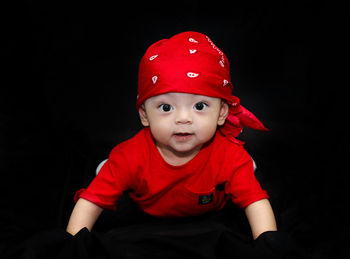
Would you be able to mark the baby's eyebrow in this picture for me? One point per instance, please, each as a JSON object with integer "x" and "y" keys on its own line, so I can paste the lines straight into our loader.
{"x": 163, "y": 100}
{"x": 203, "y": 98}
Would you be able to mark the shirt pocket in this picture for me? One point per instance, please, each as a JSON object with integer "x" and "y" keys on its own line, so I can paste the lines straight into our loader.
{"x": 199, "y": 202}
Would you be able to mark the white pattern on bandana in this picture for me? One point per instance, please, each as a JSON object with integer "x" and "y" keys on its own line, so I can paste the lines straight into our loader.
{"x": 154, "y": 79}
{"x": 153, "y": 57}
{"x": 192, "y": 40}
{"x": 192, "y": 75}
{"x": 222, "y": 60}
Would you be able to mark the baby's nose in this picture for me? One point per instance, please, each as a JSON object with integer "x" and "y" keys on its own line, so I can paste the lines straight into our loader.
{"x": 183, "y": 116}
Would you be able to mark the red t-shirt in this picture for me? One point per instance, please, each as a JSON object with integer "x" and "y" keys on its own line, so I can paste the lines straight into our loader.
{"x": 221, "y": 171}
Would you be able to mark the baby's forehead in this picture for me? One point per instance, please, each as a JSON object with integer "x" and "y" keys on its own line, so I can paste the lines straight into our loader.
{"x": 180, "y": 97}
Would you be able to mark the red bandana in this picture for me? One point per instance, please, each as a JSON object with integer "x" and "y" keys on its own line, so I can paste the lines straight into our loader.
{"x": 190, "y": 62}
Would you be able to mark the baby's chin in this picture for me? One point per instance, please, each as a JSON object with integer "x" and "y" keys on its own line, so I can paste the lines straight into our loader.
{"x": 179, "y": 151}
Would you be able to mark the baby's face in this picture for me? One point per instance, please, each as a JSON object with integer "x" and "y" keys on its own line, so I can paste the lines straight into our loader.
{"x": 182, "y": 123}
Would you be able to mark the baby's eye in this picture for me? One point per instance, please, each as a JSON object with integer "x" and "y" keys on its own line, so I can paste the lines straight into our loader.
{"x": 165, "y": 107}
{"x": 200, "y": 106}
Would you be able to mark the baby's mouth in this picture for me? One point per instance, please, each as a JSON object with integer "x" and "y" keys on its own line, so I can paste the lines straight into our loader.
{"x": 183, "y": 134}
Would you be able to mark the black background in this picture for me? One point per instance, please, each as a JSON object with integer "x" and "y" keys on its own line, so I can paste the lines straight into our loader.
{"x": 68, "y": 91}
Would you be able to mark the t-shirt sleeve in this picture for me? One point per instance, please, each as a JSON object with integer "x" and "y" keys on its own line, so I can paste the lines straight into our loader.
{"x": 244, "y": 187}
{"x": 108, "y": 186}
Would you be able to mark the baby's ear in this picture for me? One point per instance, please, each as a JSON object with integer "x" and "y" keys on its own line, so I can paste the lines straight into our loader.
{"x": 143, "y": 116}
{"x": 223, "y": 113}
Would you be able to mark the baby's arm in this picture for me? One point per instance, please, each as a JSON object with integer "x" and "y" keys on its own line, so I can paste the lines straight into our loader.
{"x": 85, "y": 214}
{"x": 260, "y": 217}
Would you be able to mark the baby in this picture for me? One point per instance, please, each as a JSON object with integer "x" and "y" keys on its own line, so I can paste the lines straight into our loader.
{"x": 186, "y": 161}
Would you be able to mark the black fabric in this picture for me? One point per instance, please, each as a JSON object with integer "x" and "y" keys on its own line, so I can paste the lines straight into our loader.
{"x": 210, "y": 236}
{"x": 278, "y": 244}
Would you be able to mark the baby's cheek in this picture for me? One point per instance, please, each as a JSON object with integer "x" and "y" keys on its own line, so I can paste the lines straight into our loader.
{"x": 160, "y": 132}
{"x": 207, "y": 130}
